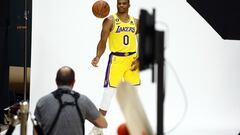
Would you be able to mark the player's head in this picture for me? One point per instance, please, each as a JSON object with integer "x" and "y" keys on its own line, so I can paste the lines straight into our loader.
{"x": 123, "y": 5}
{"x": 65, "y": 76}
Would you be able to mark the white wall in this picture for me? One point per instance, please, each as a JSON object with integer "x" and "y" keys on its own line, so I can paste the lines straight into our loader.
{"x": 66, "y": 33}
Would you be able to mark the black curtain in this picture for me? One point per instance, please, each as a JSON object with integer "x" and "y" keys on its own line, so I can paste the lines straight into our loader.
{"x": 4, "y": 91}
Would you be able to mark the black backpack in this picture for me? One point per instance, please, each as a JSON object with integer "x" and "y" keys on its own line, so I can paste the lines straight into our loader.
{"x": 58, "y": 94}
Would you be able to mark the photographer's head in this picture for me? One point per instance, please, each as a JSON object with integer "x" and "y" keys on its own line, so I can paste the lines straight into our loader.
{"x": 65, "y": 76}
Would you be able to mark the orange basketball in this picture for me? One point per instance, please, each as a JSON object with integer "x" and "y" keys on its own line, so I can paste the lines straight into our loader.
{"x": 122, "y": 129}
{"x": 100, "y": 9}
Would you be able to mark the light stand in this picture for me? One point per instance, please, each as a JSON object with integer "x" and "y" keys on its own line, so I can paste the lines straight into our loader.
{"x": 24, "y": 108}
{"x": 151, "y": 51}
{"x": 18, "y": 114}
{"x": 24, "y": 116}
{"x": 25, "y": 48}
{"x": 160, "y": 81}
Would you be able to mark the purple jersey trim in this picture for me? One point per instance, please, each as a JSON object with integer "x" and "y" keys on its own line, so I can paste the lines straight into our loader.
{"x": 106, "y": 80}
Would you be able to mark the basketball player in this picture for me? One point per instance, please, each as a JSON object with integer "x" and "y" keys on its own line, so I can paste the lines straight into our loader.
{"x": 120, "y": 29}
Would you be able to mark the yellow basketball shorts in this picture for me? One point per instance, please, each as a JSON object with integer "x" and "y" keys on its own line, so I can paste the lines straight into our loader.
{"x": 119, "y": 69}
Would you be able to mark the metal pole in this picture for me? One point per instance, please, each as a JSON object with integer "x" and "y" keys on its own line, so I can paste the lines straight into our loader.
{"x": 23, "y": 116}
{"x": 160, "y": 83}
{"x": 24, "y": 105}
{"x": 25, "y": 48}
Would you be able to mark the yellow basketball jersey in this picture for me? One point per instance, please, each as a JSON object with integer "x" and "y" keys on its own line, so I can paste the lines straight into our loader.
{"x": 122, "y": 38}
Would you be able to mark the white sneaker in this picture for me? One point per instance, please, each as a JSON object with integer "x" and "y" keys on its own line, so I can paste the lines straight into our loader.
{"x": 96, "y": 131}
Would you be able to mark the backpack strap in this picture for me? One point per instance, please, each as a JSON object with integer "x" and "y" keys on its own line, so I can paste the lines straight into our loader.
{"x": 58, "y": 95}
{"x": 76, "y": 96}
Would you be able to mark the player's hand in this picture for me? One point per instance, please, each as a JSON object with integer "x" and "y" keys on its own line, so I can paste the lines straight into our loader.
{"x": 95, "y": 61}
{"x": 135, "y": 64}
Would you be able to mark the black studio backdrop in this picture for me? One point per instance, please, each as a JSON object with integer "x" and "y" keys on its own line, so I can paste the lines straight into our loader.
{"x": 222, "y": 15}
{"x": 12, "y": 41}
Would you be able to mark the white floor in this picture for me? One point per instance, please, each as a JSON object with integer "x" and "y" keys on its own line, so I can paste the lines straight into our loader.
{"x": 202, "y": 126}
{"x": 202, "y": 117}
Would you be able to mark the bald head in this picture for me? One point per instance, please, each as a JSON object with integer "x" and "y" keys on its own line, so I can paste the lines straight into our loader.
{"x": 65, "y": 76}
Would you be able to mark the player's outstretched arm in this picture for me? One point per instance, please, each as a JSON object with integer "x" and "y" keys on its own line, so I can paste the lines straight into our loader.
{"x": 101, "y": 47}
